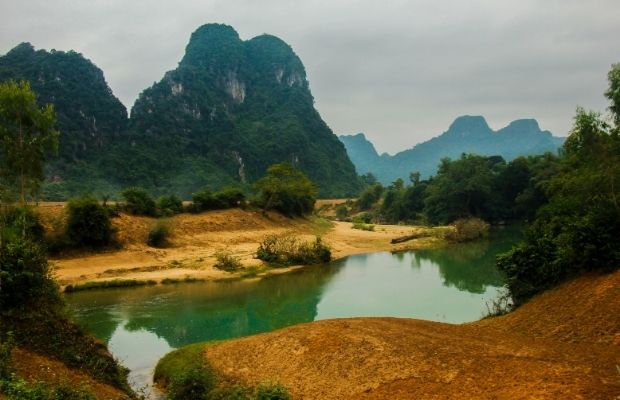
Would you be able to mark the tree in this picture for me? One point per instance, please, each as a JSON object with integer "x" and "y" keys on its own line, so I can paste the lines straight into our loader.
{"x": 26, "y": 133}
{"x": 578, "y": 229}
{"x": 285, "y": 189}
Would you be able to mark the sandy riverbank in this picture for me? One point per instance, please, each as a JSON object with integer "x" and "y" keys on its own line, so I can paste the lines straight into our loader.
{"x": 197, "y": 237}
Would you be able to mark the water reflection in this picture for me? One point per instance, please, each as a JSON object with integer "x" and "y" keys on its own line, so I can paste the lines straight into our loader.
{"x": 141, "y": 324}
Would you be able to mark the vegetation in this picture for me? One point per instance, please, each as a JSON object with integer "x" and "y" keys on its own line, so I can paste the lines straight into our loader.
{"x": 226, "y": 261}
{"x": 159, "y": 234}
{"x": 26, "y": 133}
{"x": 115, "y": 283}
{"x": 89, "y": 224}
{"x": 286, "y": 249}
{"x": 205, "y": 200}
{"x": 169, "y": 205}
{"x": 578, "y": 229}
{"x": 363, "y": 227}
{"x": 285, "y": 189}
{"x": 187, "y": 375}
{"x": 139, "y": 202}
{"x": 19, "y": 389}
{"x": 468, "y": 229}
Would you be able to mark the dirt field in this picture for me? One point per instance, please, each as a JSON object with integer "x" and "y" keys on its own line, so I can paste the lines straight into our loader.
{"x": 197, "y": 237}
{"x": 565, "y": 344}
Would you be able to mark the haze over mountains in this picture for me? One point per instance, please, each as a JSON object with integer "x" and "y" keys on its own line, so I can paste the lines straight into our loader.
{"x": 467, "y": 134}
{"x": 229, "y": 110}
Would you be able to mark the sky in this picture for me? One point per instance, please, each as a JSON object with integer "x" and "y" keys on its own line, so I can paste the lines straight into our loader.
{"x": 398, "y": 71}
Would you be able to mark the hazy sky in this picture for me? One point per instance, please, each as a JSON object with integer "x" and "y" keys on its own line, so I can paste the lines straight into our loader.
{"x": 399, "y": 71}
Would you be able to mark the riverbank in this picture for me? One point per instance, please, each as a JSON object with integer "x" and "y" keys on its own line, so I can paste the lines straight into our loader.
{"x": 196, "y": 238}
{"x": 564, "y": 343}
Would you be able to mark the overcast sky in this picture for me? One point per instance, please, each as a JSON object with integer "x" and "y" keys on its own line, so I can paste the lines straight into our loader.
{"x": 399, "y": 71}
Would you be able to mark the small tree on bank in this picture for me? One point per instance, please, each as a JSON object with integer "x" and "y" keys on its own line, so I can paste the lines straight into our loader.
{"x": 26, "y": 133}
{"x": 285, "y": 189}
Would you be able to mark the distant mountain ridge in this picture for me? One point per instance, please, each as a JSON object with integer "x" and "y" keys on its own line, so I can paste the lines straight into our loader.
{"x": 229, "y": 110}
{"x": 467, "y": 134}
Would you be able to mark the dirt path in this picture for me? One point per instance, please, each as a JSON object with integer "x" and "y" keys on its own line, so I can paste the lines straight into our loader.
{"x": 197, "y": 237}
{"x": 571, "y": 352}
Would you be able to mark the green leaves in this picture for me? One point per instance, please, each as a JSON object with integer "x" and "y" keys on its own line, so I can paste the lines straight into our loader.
{"x": 286, "y": 189}
{"x": 26, "y": 134}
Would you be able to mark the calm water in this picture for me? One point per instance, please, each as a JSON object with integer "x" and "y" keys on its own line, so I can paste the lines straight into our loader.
{"x": 140, "y": 325}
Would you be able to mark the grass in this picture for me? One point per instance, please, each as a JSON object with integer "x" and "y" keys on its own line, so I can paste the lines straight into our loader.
{"x": 187, "y": 279}
{"x": 226, "y": 261}
{"x": 362, "y": 226}
{"x": 185, "y": 374}
{"x": 115, "y": 283}
{"x": 287, "y": 249}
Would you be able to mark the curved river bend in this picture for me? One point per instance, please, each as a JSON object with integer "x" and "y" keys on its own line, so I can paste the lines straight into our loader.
{"x": 140, "y": 325}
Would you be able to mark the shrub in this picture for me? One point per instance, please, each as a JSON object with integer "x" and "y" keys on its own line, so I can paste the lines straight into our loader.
{"x": 271, "y": 391}
{"x": 363, "y": 227}
{"x": 25, "y": 275}
{"x": 226, "y": 261}
{"x": 231, "y": 197}
{"x": 286, "y": 249}
{"x": 139, "y": 202}
{"x": 205, "y": 200}
{"x": 169, "y": 205}
{"x": 193, "y": 383}
{"x": 159, "y": 234}
{"x": 21, "y": 222}
{"x": 6, "y": 348}
{"x": 364, "y": 218}
{"x": 342, "y": 212}
{"x": 89, "y": 224}
{"x": 285, "y": 189}
{"x": 468, "y": 229}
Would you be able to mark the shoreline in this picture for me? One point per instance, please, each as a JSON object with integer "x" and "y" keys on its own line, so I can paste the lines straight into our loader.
{"x": 197, "y": 237}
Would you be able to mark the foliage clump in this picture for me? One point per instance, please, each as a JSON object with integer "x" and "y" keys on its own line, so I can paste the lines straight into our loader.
{"x": 139, "y": 202}
{"x": 159, "y": 235}
{"x": 285, "y": 189}
{"x": 226, "y": 261}
{"x": 89, "y": 224}
{"x": 287, "y": 249}
{"x": 578, "y": 229}
{"x": 169, "y": 205}
{"x": 363, "y": 227}
{"x": 205, "y": 199}
{"x": 466, "y": 229}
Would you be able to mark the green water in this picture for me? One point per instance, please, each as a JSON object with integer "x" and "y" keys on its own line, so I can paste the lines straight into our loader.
{"x": 140, "y": 325}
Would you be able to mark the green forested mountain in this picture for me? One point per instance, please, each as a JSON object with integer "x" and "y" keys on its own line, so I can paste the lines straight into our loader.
{"x": 229, "y": 110}
{"x": 467, "y": 134}
{"x": 89, "y": 116}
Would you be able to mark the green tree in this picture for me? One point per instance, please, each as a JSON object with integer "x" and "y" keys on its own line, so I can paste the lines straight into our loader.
{"x": 26, "y": 133}
{"x": 286, "y": 189}
{"x": 578, "y": 229}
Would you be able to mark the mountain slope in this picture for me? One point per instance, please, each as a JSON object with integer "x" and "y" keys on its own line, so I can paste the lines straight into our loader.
{"x": 467, "y": 134}
{"x": 89, "y": 116}
{"x": 229, "y": 110}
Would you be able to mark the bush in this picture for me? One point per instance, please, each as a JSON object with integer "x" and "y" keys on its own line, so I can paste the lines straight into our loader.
{"x": 6, "y": 348}
{"x": 342, "y": 212}
{"x": 285, "y": 189}
{"x": 159, "y": 234}
{"x": 363, "y": 227}
{"x": 194, "y": 383}
{"x": 226, "y": 261}
{"x": 286, "y": 249}
{"x": 88, "y": 224}
{"x": 139, "y": 202}
{"x": 468, "y": 229}
{"x": 25, "y": 275}
{"x": 21, "y": 222}
{"x": 230, "y": 198}
{"x": 271, "y": 391}
{"x": 205, "y": 200}
{"x": 16, "y": 388}
{"x": 169, "y": 205}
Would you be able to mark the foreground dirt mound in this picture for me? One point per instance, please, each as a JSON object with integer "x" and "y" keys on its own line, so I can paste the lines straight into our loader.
{"x": 520, "y": 356}
{"x": 37, "y": 368}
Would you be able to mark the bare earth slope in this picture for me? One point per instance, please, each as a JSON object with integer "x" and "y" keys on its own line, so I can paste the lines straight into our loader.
{"x": 562, "y": 344}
